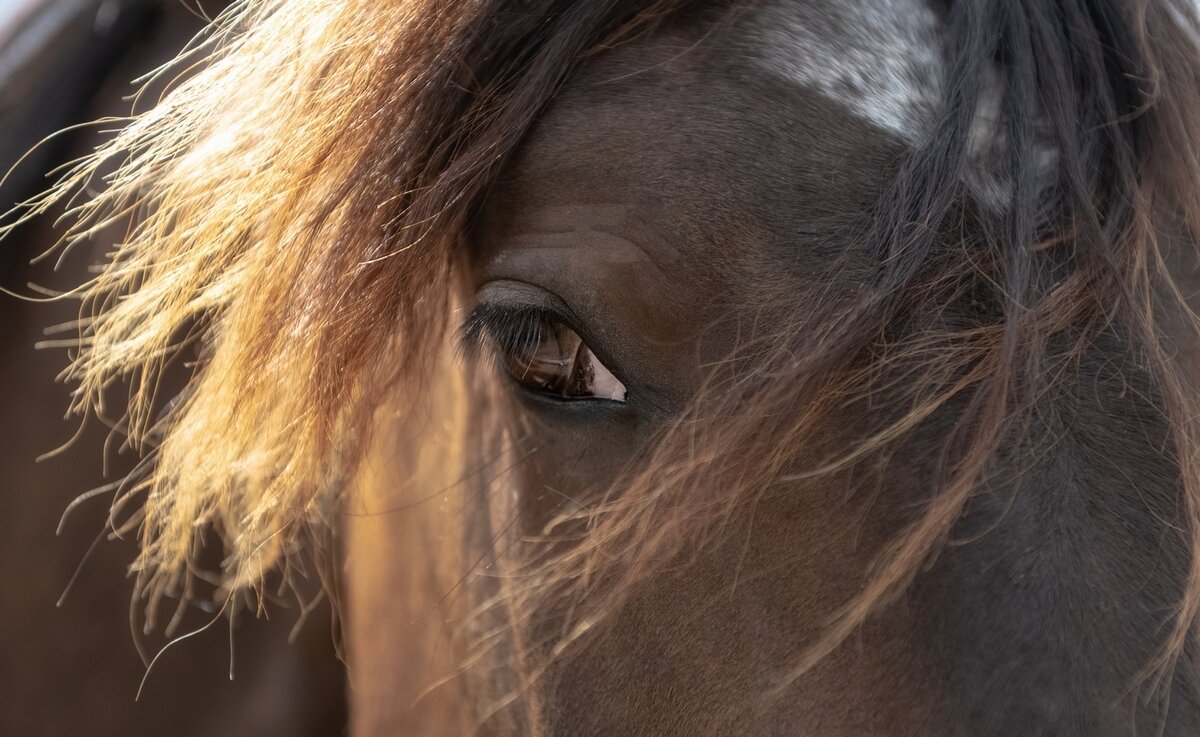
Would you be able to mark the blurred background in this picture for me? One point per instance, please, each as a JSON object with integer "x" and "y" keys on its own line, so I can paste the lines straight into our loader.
{"x": 72, "y": 658}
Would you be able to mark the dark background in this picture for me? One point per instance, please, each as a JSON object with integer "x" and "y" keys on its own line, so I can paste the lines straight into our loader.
{"x": 74, "y": 669}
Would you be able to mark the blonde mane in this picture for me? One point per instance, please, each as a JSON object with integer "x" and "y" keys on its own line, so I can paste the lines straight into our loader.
{"x": 264, "y": 233}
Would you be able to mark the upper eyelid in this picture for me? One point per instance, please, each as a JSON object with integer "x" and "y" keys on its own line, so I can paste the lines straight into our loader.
{"x": 518, "y": 294}
{"x": 511, "y": 299}
{"x": 486, "y": 321}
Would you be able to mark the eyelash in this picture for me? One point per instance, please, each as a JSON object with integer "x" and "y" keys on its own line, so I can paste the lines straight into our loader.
{"x": 504, "y": 329}
{"x": 541, "y": 352}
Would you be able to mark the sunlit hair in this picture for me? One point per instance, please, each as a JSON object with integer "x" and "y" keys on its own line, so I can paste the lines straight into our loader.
{"x": 301, "y": 200}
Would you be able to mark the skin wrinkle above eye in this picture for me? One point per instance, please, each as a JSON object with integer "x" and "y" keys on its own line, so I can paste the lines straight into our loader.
{"x": 610, "y": 283}
{"x": 588, "y": 266}
{"x": 568, "y": 225}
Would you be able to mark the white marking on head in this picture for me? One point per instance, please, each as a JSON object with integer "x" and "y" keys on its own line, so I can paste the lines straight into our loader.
{"x": 882, "y": 59}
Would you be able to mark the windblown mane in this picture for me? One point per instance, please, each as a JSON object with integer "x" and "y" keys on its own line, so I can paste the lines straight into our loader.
{"x": 301, "y": 202}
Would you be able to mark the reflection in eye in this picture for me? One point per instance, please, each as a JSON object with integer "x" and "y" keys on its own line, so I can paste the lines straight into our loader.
{"x": 542, "y": 354}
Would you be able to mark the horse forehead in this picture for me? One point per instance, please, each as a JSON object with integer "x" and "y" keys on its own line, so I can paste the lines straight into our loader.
{"x": 881, "y": 59}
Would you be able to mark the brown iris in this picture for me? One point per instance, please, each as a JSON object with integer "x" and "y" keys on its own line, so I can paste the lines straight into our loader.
{"x": 555, "y": 360}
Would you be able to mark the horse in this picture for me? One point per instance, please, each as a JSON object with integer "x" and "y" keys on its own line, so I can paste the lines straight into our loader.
{"x": 75, "y": 668}
{"x": 679, "y": 367}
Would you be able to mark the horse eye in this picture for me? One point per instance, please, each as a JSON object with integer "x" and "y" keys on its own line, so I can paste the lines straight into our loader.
{"x": 554, "y": 360}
